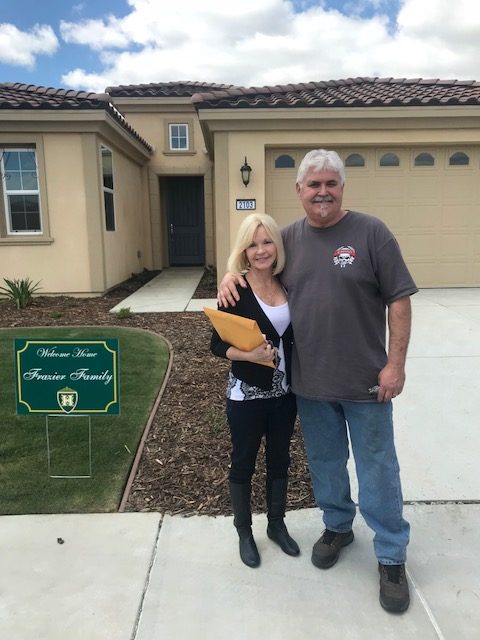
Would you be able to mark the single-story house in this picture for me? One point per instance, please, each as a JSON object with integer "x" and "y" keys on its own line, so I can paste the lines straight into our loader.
{"x": 96, "y": 187}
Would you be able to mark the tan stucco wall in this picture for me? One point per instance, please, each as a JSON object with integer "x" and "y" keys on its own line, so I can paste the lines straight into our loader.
{"x": 151, "y": 121}
{"x": 60, "y": 265}
{"x": 77, "y": 256}
{"x": 125, "y": 249}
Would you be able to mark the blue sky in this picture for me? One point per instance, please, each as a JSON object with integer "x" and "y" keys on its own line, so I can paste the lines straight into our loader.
{"x": 93, "y": 44}
{"x": 48, "y": 69}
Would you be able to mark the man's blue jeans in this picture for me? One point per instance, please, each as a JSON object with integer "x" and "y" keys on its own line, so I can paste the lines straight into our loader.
{"x": 370, "y": 426}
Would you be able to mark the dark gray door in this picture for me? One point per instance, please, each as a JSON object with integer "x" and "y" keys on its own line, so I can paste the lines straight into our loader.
{"x": 186, "y": 220}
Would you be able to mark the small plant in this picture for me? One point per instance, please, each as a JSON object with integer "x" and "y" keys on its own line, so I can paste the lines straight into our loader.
{"x": 56, "y": 314}
{"x": 210, "y": 276}
{"x": 123, "y": 313}
{"x": 207, "y": 287}
{"x": 20, "y": 291}
{"x": 216, "y": 419}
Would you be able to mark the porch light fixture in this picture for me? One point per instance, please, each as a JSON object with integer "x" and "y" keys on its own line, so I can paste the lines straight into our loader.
{"x": 245, "y": 170}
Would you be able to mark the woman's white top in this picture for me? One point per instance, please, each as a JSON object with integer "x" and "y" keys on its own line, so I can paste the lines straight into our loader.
{"x": 279, "y": 316}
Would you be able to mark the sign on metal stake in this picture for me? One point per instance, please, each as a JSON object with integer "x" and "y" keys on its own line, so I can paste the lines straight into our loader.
{"x": 67, "y": 376}
{"x": 67, "y": 379}
{"x": 52, "y": 454}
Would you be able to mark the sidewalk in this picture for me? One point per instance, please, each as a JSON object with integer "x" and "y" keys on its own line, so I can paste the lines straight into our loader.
{"x": 143, "y": 576}
{"x": 134, "y": 576}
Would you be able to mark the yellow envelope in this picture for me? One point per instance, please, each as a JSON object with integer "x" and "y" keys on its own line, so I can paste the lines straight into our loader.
{"x": 238, "y": 331}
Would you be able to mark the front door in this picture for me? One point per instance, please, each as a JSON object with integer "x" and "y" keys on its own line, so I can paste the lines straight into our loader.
{"x": 185, "y": 220}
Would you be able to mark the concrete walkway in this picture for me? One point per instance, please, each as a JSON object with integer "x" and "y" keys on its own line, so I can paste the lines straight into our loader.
{"x": 171, "y": 290}
{"x": 141, "y": 576}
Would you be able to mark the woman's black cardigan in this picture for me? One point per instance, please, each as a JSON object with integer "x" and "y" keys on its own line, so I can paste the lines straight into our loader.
{"x": 254, "y": 374}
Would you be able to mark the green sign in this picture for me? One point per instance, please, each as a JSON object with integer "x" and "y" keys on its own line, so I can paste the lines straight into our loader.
{"x": 67, "y": 376}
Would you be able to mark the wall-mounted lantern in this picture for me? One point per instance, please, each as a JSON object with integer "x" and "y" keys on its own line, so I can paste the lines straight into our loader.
{"x": 245, "y": 170}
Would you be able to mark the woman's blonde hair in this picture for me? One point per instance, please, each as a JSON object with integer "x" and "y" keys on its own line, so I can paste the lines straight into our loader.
{"x": 237, "y": 261}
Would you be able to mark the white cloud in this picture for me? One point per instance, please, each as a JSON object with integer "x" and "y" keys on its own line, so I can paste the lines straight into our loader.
{"x": 440, "y": 20}
{"x": 20, "y": 48}
{"x": 436, "y": 38}
{"x": 152, "y": 24}
{"x": 95, "y": 33}
{"x": 90, "y": 81}
{"x": 256, "y": 43}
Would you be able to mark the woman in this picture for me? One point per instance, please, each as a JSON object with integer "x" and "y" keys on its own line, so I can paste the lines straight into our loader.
{"x": 259, "y": 401}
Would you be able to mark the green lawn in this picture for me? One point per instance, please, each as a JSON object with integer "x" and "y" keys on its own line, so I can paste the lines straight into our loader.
{"x": 25, "y": 486}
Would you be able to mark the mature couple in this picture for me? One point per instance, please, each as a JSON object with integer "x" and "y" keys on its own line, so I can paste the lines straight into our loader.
{"x": 344, "y": 275}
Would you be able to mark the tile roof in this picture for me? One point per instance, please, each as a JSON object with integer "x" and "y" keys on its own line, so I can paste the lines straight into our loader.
{"x": 14, "y": 95}
{"x": 352, "y": 92}
{"x": 165, "y": 89}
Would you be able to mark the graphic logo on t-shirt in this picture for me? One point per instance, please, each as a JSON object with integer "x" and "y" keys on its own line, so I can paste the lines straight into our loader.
{"x": 343, "y": 256}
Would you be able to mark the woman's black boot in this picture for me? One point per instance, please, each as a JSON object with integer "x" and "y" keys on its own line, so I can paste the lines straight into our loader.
{"x": 242, "y": 519}
{"x": 276, "y": 503}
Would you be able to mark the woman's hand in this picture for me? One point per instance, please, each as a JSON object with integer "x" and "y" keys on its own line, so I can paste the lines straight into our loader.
{"x": 265, "y": 352}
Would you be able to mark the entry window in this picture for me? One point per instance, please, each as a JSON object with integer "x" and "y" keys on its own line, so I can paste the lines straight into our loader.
{"x": 424, "y": 160}
{"x": 284, "y": 162}
{"x": 20, "y": 190}
{"x": 108, "y": 188}
{"x": 178, "y": 136}
{"x": 355, "y": 160}
{"x": 458, "y": 159}
{"x": 389, "y": 160}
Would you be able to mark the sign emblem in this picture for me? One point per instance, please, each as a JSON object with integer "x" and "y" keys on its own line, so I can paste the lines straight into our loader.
{"x": 67, "y": 399}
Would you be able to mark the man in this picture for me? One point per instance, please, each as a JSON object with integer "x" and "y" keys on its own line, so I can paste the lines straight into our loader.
{"x": 343, "y": 270}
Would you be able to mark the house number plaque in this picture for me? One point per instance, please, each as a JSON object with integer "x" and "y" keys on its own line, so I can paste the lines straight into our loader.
{"x": 246, "y": 205}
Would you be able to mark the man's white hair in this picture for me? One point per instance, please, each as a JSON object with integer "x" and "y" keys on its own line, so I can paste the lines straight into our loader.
{"x": 321, "y": 160}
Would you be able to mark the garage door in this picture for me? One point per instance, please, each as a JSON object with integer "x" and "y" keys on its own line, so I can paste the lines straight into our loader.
{"x": 428, "y": 197}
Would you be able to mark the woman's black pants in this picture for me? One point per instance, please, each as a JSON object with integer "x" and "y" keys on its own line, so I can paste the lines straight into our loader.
{"x": 249, "y": 421}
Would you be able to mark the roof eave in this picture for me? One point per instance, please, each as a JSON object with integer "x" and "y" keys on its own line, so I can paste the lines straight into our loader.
{"x": 83, "y": 121}
{"x": 311, "y": 113}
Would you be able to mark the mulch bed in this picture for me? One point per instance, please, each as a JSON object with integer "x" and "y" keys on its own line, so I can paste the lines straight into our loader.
{"x": 184, "y": 466}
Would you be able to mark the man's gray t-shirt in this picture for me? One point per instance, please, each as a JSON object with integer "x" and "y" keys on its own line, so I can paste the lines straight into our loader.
{"x": 339, "y": 280}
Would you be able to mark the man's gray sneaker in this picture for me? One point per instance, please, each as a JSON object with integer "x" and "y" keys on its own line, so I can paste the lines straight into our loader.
{"x": 327, "y": 548}
{"x": 394, "y": 595}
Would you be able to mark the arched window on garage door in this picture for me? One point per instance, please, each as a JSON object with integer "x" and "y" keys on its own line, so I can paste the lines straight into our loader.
{"x": 389, "y": 160}
{"x": 355, "y": 160}
{"x": 284, "y": 162}
{"x": 424, "y": 160}
{"x": 458, "y": 158}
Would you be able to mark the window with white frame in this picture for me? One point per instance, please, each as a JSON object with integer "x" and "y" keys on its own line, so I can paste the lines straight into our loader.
{"x": 108, "y": 193}
{"x": 178, "y": 137}
{"x": 21, "y": 191}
